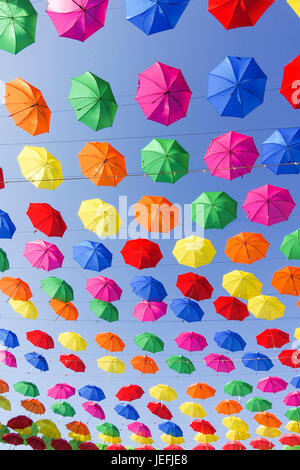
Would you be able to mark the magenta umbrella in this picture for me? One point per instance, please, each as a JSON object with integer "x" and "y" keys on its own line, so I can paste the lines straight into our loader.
{"x": 268, "y": 205}
{"x": 191, "y": 341}
{"x": 61, "y": 391}
{"x": 292, "y": 399}
{"x": 43, "y": 255}
{"x": 93, "y": 409}
{"x": 219, "y": 363}
{"x": 231, "y": 155}
{"x": 77, "y": 19}
{"x": 104, "y": 289}
{"x": 139, "y": 429}
{"x": 149, "y": 311}
{"x": 8, "y": 358}
{"x": 163, "y": 94}
{"x": 272, "y": 385}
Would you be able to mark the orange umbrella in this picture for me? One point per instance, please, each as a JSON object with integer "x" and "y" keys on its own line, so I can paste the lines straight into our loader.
{"x": 33, "y": 406}
{"x": 27, "y": 107}
{"x": 66, "y": 310}
{"x": 228, "y": 407}
{"x": 156, "y": 214}
{"x": 3, "y": 386}
{"x": 110, "y": 342}
{"x": 77, "y": 427}
{"x": 267, "y": 419}
{"x": 200, "y": 390}
{"x": 102, "y": 164}
{"x": 246, "y": 247}
{"x": 15, "y": 288}
{"x": 144, "y": 364}
{"x": 287, "y": 280}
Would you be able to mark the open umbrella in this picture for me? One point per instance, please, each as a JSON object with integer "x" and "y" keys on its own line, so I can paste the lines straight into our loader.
{"x": 233, "y": 445}
{"x": 229, "y": 407}
{"x": 7, "y": 227}
{"x": 149, "y": 311}
{"x": 238, "y": 388}
{"x": 290, "y": 245}
{"x": 200, "y": 425}
{"x": 191, "y": 341}
{"x": 200, "y": 390}
{"x": 261, "y": 443}
{"x": 156, "y": 214}
{"x": 292, "y": 399}
{"x": 141, "y": 253}
{"x": 194, "y": 286}
{"x": 46, "y": 219}
{"x": 281, "y": 151}
{"x": 238, "y": 13}
{"x": 33, "y": 406}
{"x": 104, "y": 310}
{"x": 257, "y": 361}
{"x": 27, "y": 389}
{"x": 37, "y": 361}
{"x": 18, "y": 25}
{"x": 194, "y": 410}
{"x": 110, "y": 341}
{"x": 149, "y": 342}
{"x": 15, "y": 288}
{"x": 8, "y": 338}
{"x": 65, "y": 310}
{"x": 8, "y": 358}
{"x": 111, "y": 365}
{"x": 187, "y": 310}
{"x": 148, "y": 288}
{"x": 246, "y": 247}
{"x": 194, "y": 251}
{"x": 214, "y": 210}
{"x": 73, "y": 341}
{"x": 144, "y": 364}
{"x": 181, "y": 364}
{"x": 70, "y": 361}
{"x": 295, "y": 382}
{"x": 99, "y": 217}
{"x": 272, "y": 338}
{"x": 160, "y": 410}
{"x": 231, "y": 308}
{"x": 287, "y": 280}
{"x": 63, "y": 408}
{"x": 43, "y": 255}
{"x": 40, "y": 339}
{"x": 57, "y": 289}
{"x": 230, "y": 340}
{"x": 4, "y": 263}
{"x": 91, "y": 392}
{"x": 272, "y": 385}
{"x": 130, "y": 392}
{"x": 266, "y": 307}
{"x": 219, "y": 363}
{"x": 290, "y": 358}
{"x": 127, "y": 411}
{"x": 4, "y": 387}
{"x": 242, "y": 284}
{"x": 290, "y": 77}
{"x": 25, "y": 308}
{"x": 163, "y": 392}
{"x": 93, "y": 409}
{"x": 103, "y": 288}
{"x": 39, "y": 167}
{"x": 61, "y": 391}
{"x": 267, "y": 419}
{"x": 92, "y": 255}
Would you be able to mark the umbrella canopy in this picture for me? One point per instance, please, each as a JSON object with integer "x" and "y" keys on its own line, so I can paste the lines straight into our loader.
{"x": 229, "y": 407}
{"x": 108, "y": 429}
{"x": 246, "y": 247}
{"x": 103, "y": 288}
{"x": 39, "y": 167}
{"x": 46, "y": 219}
{"x": 104, "y": 310}
{"x": 260, "y": 443}
{"x": 64, "y": 310}
{"x": 163, "y": 94}
{"x": 272, "y": 338}
{"x": 27, "y": 389}
{"x": 181, "y": 364}
{"x": 110, "y": 341}
{"x": 18, "y": 25}
{"x": 25, "y": 308}
{"x": 7, "y": 227}
{"x": 293, "y": 414}
{"x": 290, "y": 358}
{"x": 4, "y": 387}
{"x": 237, "y": 14}
{"x": 127, "y": 411}
{"x": 292, "y": 399}
{"x": 92, "y": 255}
{"x": 230, "y": 341}
{"x": 141, "y": 253}
{"x": 149, "y": 311}
{"x": 201, "y": 391}
{"x": 233, "y": 445}
{"x": 214, "y": 210}
{"x": 37, "y": 361}
{"x": 13, "y": 439}
{"x": 242, "y": 284}
{"x": 295, "y": 382}
{"x": 205, "y": 427}
{"x": 281, "y": 151}
{"x": 57, "y": 289}
{"x": 43, "y": 255}
{"x": 290, "y": 439}
{"x": 61, "y": 391}
{"x": 160, "y": 410}
{"x": 91, "y": 392}
{"x": 219, "y": 363}
{"x": 63, "y": 408}
{"x": 144, "y": 364}
{"x": 36, "y": 443}
{"x": 4, "y": 263}
{"x": 287, "y": 280}
{"x": 194, "y": 251}
{"x": 156, "y": 214}
{"x": 130, "y": 392}
{"x": 203, "y": 446}
{"x": 290, "y": 245}
{"x": 149, "y": 342}
{"x": 93, "y": 409}
{"x": 236, "y": 86}
{"x": 290, "y": 77}
{"x": 235, "y": 424}
{"x": 272, "y": 385}
{"x": 93, "y": 101}
{"x": 267, "y": 419}
{"x": 148, "y": 288}
{"x": 70, "y": 361}
{"x": 111, "y": 365}
{"x": 8, "y": 358}
{"x": 40, "y": 339}
{"x": 194, "y": 286}
{"x": 140, "y": 429}
{"x": 187, "y": 310}
{"x": 257, "y": 361}
{"x": 163, "y": 392}
{"x": 8, "y": 338}
{"x": 99, "y": 217}
{"x": 266, "y": 307}
{"x": 231, "y": 308}
{"x": 171, "y": 429}
{"x": 33, "y": 406}
{"x": 191, "y": 341}
{"x": 73, "y": 341}
{"x": 238, "y": 388}
{"x": 15, "y": 288}
{"x": 194, "y": 410}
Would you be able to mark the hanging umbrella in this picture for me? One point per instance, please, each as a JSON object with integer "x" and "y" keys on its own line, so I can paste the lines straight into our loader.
{"x": 103, "y": 288}
{"x": 194, "y": 251}
{"x": 290, "y": 440}
{"x": 192, "y": 409}
{"x": 181, "y": 364}
{"x": 141, "y": 253}
{"x": 57, "y": 289}
{"x": 8, "y": 338}
{"x": 272, "y": 385}
{"x": 290, "y": 358}
{"x": 242, "y": 284}
{"x": 238, "y": 14}
{"x": 7, "y": 227}
{"x": 229, "y": 407}
{"x": 163, "y": 94}
{"x": 149, "y": 311}
{"x": 295, "y": 382}
{"x": 73, "y": 341}
{"x": 39, "y": 167}
{"x": 127, "y": 411}
{"x": 206, "y": 438}
{"x": 77, "y": 427}
{"x": 110, "y": 342}
{"x": 46, "y": 219}
{"x": 290, "y": 77}
{"x": 18, "y": 25}
{"x": 4, "y": 387}
{"x": 70, "y": 361}
{"x": 93, "y": 409}
{"x": 8, "y": 359}
{"x": 61, "y": 391}
{"x": 219, "y": 363}
{"x": 144, "y": 364}
{"x": 257, "y": 361}
{"x": 258, "y": 404}
{"x": 5, "y": 404}
{"x": 292, "y": 399}
{"x": 238, "y": 388}
{"x": 163, "y": 392}
{"x": 214, "y": 210}
{"x": 191, "y": 341}
{"x": 25, "y": 308}
{"x": 99, "y": 217}
{"x": 33, "y": 406}
{"x": 40, "y": 339}
{"x": 280, "y": 152}
{"x": 238, "y": 435}
{"x": 171, "y": 439}
{"x": 187, "y": 310}
{"x": 108, "y": 429}
{"x": 149, "y": 342}
{"x": 111, "y": 365}
{"x": 27, "y": 389}
{"x": 91, "y": 392}
{"x": 246, "y": 247}
{"x": 115, "y": 447}
{"x": 63, "y": 408}
{"x": 234, "y": 423}
{"x": 93, "y": 101}
{"x": 160, "y": 410}
{"x": 290, "y": 245}
{"x": 148, "y": 288}
{"x": 65, "y": 310}
{"x": 156, "y": 214}
{"x": 233, "y": 445}
{"x": 194, "y": 286}
{"x": 267, "y": 419}
{"x": 272, "y": 338}
{"x": 201, "y": 391}
{"x": 104, "y": 310}
{"x": 205, "y": 427}
{"x": 173, "y": 447}
{"x": 230, "y": 341}
{"x": 4, "y": 263}
{"x": 231, "y": 308}
{"x": 13, "y": 439}
{"x": 287, "y": 280}
{"x": 266, "y": 307}
{"x": 140, "y": 429}
{"x": 130, "y": 392}
{"x": 203, "y": 446}
{"x": 293, "y": 426}
{"x": 261, "y": 443}
{"x": 171, "y": 429}
{"x": 293, "y": 414}
{"x": 141, "y": 439}
{"x": 36, "y": 443}
{"x": 15, "y": 288}
{"x": 43, "y": 255}
{"x": 37, "y": 361}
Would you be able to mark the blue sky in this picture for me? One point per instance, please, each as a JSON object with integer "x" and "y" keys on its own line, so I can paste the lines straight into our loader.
{"x": 117, "y": 53}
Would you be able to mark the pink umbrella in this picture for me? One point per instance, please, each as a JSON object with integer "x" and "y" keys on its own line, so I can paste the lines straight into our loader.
{"x": 163, "y": 94}
{"x": 139, "y": 429}
{"x": 231, "y": 155}
{"x": 43, "y": 255}
{"x": 61, "y": 391}
{"x": 268, "y": 205}
{"x": 292, "y": 399}
{"x": 272, "y": 385}
{"x": 77, "y": 19}
{"x": 149, "y": 311}
{"x": 191, "y": 341}
{"x": 93, "y": 409}
{"x": 102, "y": 288}
{"x": 8, "y": 359}
{"x": 219, "y": 363}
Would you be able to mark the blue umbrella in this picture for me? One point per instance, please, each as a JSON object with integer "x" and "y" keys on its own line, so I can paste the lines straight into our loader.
{"x": 230, "y": 341}
{"x": 92, "y": 255}
{"x": 171, "y": 429}
{"x": 37, "y": 361}
{"x": 127, "y": 411}
{"x": 236, "y": 86}
{"x": 7, "y": 227}
{"x": 91, "y": 392}
{"x": 8, "y": 338}
{"x": 283, "y": 146}
{"x": 153, "y": 16}
{"x": 148, "y": 288}
{"x": 257, "y": 361}
{"x": 187, "y": 309}
{"x": 296, "y": 381}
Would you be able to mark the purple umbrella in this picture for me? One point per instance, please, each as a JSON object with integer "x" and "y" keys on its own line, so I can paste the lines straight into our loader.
{"x": 93, "y": 409}
{"x": 272, "y": 385}
{"x": 191, "y": 341}
{"x": 149, "y": 311}
{"x": 8, "y": 359}
{"x": 43, "y": 255}
{"x": 292, "y": 399}
{"x": 219, "y": 363}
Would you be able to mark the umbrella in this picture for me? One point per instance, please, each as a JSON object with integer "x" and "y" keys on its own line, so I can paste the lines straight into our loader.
{"x": 194, "y": 251}
{"x": 205, "y": 438}
{"x": 5, "y": 404}
{"x": 33, "y": 406}
{"x": 43, "y": 255}
{"x": 238, "y": 435}
{"x": 141, "y": 253}
{"x": 163, "y": 392}
{"x": 102, "y": 164}
{"x": 290, "y": 245}
{"x": 8, "y": 359}
{"x": 48, "y": 429}
{"x": 294, "y": 5}
{"x": 149, "y": 342}
{"x": 292, "y": 399}
{"x": 173, "y": 447}
{"x": 148, "y": 288}
{"x": 4, "y": 263}
{"x": 242, "y": 284}
{"x": 104, "y": 310}
{"x": 4, "y": 387}
{"x": 40, "y": 339}
{"x": 280, "y": 152}
{"x": 141, "y": 439}
{"x": 272, "y": 385}
{"x": 77, "y": 427}
{"x": 214, "y": 210}
{"x": 231, "y": 308}
{"x": 290, "y": 440}
{"x": 115, "y": 447}
{"x": 230, "y": 341}
{"x": 15, "y": 288}
{"x": 25, "y": 308}
{"x": 64, "y": 310}
{"x": 70, "y": 361}
{"x": 293, "y": 414}
{"x": 99, "y": 217}
{"x": 37, "y": 361}
{"x": 200, "y": 425}
{"x": 27, "y": 389}
{"x": 234, "y": 423}
{"x": 295, "y": 381}
{"x": 257, "y": 361}
{"x": 19, "y": 422}
{"x": 93, "y": 101}
{"x": 238, "y": 388}
{"x": 164, "y": 160}
{"x": 63, "y": 408}
{"x": 111, "y": 365}
{"x": 194, "y": 286}
{"x": 144, "y": 364}
{"x": 149, "y": 311}
{"x": 187, "y": 310}
{"x": 160, "y": 410}
{"x": 18, "y": 25}
{"x": 203, "y": 446}
{"x": 266, "y": 307}
{"x": 268, "y": 205}
{"x": 39, "y": 167}
{"x": 61, "y": 391}
{"x": 258, "y": 404}
{"x": 233, "y": 445}
{"x": 272, "y": 338}
{"x": 236, "y": 86}
{"x": 171, "y": 439}
{"x": 267, "y": 419}
{"x": 103, "y": 288}
{"x": 181, "y": 364}
{"x": 260, "y": 443}
{"x": 127, "y": 411}
{"x": 238, "y": 14}
{"x": 77, "y": 20}
{"x": 7, "y": 227}
{"x": 93, "y": 409}
{"x": 246, "y": 247}
{"x": 287, "y": 280}
{"x": 57, "y": 289}
{"x": 293, "y": 426}
{"x": 73, "y": 341}
{"x": 108, "y": 429}
{"x": 191, "y": 341}
{"x": 290, "y": 358}
{"x": 192, "y": 409}
{"x": 171, "y": 429}
{"x": 156, "y": 214}
{"x": 201, "y": 391}
{"x": 91, "y": 392}
{"x": 110, "y": 342}
{"x": 140, "y": 429}
{"x": 8, "y": 338}
{"x": 229, "y": 407}
{"x": 163, "y": 94}
{"x": 46, "y": 219}
{"x": 289, "y": 79}
{"x": 231, "y": 155}
{"x": 13, "y": 439}
{"x": 130, "y": 392}
{"x": 219, "y": 363}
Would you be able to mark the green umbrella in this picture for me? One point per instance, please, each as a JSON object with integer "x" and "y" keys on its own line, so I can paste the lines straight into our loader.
{"x": 130, "y": 448}
{"x": 57, "y": 289}
{"x": 290, "y": 245}
{"x": 180, "y": 364}
{"x": 101, "y": 446}
{"x": 291, "y": 448}
{"x": 63, "y": 408}
{"x": 93, "y": 101}
{"x": 27, "y": 389}
{"x": 104, "y": 310}
{"x": 293, "y": 414}
{"x": 258, "y": 404}
{"x": 238, "y": 388}
{"x": 214, "y": 210}
{"x": 149, "y": 342}
{"x": 33, "y": 430}
{"x": 17, "y": 25}
{"x": 48, "y": 442}
{"x": 74, "y": 444}
{"x": 108, "y": 429}
{"x": 4, "y": 264}
{"x": 164, "y": 160}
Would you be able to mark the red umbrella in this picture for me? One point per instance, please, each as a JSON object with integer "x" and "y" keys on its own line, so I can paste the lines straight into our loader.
{"x": 238, "y": 13}
{"x": 13, "y": 438}
{"x": 145, "y": 447}
{"x": 19, "y": 422}
{"x": 60, "y": 444}
{"x": 200, "y": 425}
{"x": 290, "y": 358}
{"x": 231, "y": 308}
{"x": 160, "y": 410}
{"x": 173, "y": 447}
{"x": 88, "y": 446}
{"x": 130, "y": 393}
{"x": 204, "y": 447}
{"x": 2, "y": 184}
{"x": 290, "y": 440}
{"x": 40, "y": 339}
{"x": 234, "y": 445}
{"x": 272, "y": 338}
{"x": 36, "y": 443}
{"x": 141, "y": 253}
{"x": 194, "y": 286}
{"x": 290, "y": 82}
{"x": 260, "y": 443}
{"x": 72, "y": 362}
{"x": 46, "y": 219}
{"x": 116, "y": 447}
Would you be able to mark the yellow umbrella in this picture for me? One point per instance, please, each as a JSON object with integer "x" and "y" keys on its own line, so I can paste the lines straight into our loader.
{"x": 237, "y": 435}
{"x": 48, "y": 429}
{"x": 99, "y": 217}
{"x": 293, "y": 426}
{"x": 5, "y": 403}
{"x": 264, "y": 431}
{"x": 163, "y": 393}
{"x": 111, "y": 364}
{"x": 172, "y": 439}
{"x": 73, "y": 341}
{"x": 206, "y": 438}
{"x": 297, "y": 333}
{"x": 80, "y": 437}
{"x": 266, "y": 307}
{"x": 25, "y": 308}
{"x": 295, "y": 5}
{"x": 109, "y": 439}
{"x": 235, "y": 424}
{"x": 194, "y": 251}
{"x": 192, "y": 409}
{"x": 25, "y": 431}
{"x": 40, "y": 167}
{"x": 241, "y": 284}
{"x": 141, "y": 439}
